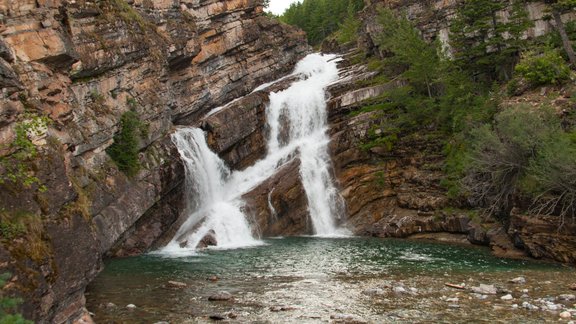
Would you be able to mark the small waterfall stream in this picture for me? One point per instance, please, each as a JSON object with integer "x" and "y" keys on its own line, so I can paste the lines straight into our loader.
{"x": 297, "y": 123}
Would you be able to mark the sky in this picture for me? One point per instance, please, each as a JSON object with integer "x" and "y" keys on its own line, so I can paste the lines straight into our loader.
{"x": 277, "y": 7}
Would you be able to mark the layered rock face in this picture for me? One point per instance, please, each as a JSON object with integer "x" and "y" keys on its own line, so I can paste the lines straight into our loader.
{"x": 84, "y": 64}
{"x": 394, "y": 190}
{"x": 389, "y": 191}
{"x": 433, "y": 19}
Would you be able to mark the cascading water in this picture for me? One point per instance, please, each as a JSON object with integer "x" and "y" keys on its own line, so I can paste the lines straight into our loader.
{"x": 297, "y": 125}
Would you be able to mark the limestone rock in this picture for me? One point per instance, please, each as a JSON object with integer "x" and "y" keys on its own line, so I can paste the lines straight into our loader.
{"x": 485, "y": 289}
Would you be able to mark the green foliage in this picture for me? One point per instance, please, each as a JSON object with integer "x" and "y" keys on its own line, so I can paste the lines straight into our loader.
{"x": 484, "y": 45}
{"x": 8, "y": 306}
{"x": 543, "y": 69}
{"x": 420, "y": 59}
{"x": 525, "y": 153}
{"x": 17, "y": 166}
{"x": 321, "y": 18}
{"x": 124, "y": 150}
{"x": 348, "y": 30}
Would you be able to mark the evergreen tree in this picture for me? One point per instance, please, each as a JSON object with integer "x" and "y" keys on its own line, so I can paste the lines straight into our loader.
{"x": 320, "y": 18}
{"x": 486, "y": 45}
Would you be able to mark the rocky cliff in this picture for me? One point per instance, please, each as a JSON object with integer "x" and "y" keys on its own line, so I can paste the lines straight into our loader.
{"x": 84, "y": 64}
{"x": 394, "y": 189}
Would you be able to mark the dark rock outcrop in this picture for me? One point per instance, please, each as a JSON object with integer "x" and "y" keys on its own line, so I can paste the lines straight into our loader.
{"x": 279, "y": 206}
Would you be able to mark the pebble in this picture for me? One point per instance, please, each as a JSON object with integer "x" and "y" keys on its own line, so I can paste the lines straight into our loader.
{"x": 518, "y": 280}
{"x": 454, "y": 306}
{"x": 507, "y": 297}
{"x": 573, "y": 286}
{"x": 162, "y": 322}
{"x": 529, "y": 306}
{"x": 176, "y": 284}
{"x": 217, "y": 317}
{"x": 374, "y": 292}
{"x": 485, "y": 289}
{"x": 514, "y": 306}
{"x": 565, "y": 315}
{"x": 525, "y": 291}
{"x": 281, "y": 308}
{"x": 567, "y": 297}
{"x": 130, "y": 306}
{"x": 480, "y": 296}
{"x": 221, "y": 296}
{"x": 212, "y": 278}
{"x": 111, "y": 305}
{"x": 347, "y": 318}
{"x": 452, "y": 300}
{"x": 399, "y": 290}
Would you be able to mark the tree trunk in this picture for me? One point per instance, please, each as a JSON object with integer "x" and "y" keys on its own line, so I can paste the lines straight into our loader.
{"x": 565, "y": 40}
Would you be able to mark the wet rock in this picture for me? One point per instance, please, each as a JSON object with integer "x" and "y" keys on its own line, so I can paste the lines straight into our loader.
{"x": 567, "y": 297}
{"x": 131, "y": 306}
{"x": 518, "y": 280}
{"x": 217, "y": 317}
{"x": 480, "y": 296}
{"x": 399, "y": 290}
{"x": 208, "y": 240}
{"x": 507, "y": 297}
{"x": 529, "y": 306}
{"x": 347, "y": 318}
{"x": 221, "y": 296}
{"x": 374, "y": 292}
{"x": 176, "y": 284}
{"x": 565, "y": 315}
{"x": 281, "y": 308}
{"x": 485, "y": 289}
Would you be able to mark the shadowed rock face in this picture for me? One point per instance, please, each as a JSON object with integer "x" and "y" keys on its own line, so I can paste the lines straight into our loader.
{"x": 279, "y": 206}
{"x": 85, "y": 63}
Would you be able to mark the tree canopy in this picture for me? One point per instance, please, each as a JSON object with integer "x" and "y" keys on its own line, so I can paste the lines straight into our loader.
{"x": 320, "y": 18}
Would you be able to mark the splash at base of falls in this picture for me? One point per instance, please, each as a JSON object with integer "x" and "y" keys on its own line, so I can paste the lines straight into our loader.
{"x": 297, "y": 123}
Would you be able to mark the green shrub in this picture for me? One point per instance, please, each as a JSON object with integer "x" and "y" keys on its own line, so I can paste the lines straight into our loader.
{"x": 18, "y": 165}
{"x": 124, "y": 150}
{"x": 543, "y": 69}
{"x": 8, "y": 305}
{"x": 525, "y": 153}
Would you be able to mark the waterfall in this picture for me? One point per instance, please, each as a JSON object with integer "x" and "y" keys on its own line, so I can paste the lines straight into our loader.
{"x": 297, "y": 124}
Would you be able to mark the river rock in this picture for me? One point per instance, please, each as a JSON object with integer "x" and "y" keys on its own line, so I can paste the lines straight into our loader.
{"x": 176, "y": 284}
{"x": 347, "y": 318}
{"x": 217, "y": 317}
{"x": 507, "y": 297}
{"x": 131, "y": 306}
{"x": 221, "y": 296}
{"x": 567, "y": 297}
{"x": 485, "y": 289}
{"x": 565, "y": 315}
{"x": 399, "y": 290}
{"x": 573, "y": 286}
{"x": 518, "y": 280}
{"x": 111, "y": 305}
{"x": 374, "y": 292}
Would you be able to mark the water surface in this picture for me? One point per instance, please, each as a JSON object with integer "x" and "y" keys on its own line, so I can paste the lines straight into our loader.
{"x": 315, "y": 279}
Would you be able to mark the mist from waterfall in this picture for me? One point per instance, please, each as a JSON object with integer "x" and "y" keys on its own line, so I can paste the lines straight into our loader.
{"x": 297, "y": 124}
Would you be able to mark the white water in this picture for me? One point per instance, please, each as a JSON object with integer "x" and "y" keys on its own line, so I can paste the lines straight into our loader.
{"x": 297, "y": 121}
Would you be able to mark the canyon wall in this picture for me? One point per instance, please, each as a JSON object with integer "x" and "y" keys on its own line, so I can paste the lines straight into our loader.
{"x": 84, "y": 64}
